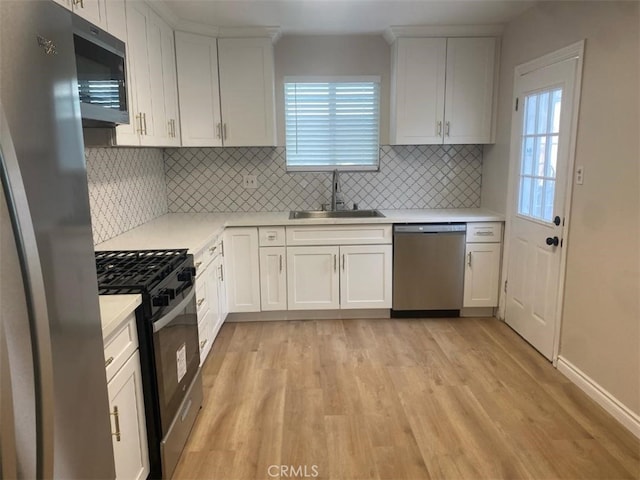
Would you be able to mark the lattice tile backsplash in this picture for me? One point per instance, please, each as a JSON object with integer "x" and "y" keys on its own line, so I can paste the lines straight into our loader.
{"x": 422, "y": 176}
{"x": 126, "y": 188}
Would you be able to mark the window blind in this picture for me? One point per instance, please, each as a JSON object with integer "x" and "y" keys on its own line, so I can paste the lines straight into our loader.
{"x": 332, "y": 125}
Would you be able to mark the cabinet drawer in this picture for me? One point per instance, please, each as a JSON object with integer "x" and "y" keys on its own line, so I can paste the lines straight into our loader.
{"x": 484, "y": 232}
{"x": 120, "y": 347}
{"x": 271, "y": 236}
{"x": 339, "y": 235}
{"x": 204, "y": 257}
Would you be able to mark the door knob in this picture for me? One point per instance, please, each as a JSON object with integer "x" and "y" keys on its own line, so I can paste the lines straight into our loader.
{"x": 555, "y": 241}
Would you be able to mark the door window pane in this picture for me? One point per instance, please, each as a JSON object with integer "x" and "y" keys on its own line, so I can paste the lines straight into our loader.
{"x": 539, "y": 154}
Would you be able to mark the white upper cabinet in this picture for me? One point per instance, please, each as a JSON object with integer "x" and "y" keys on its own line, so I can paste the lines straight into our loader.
{"x": 247, "y": 91}
{"x": 443, "y": 90}
{"x": 116, "y": 19}
{"x": 226, "y": 90}
{"x": 152, "y": 82}
{"x": 418, "y": 97}
{"x": 469, "y": 98}
{"x": 198, "y": 89}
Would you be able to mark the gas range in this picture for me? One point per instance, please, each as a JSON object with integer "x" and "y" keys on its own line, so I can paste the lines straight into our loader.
{"x": 167, "y": 328}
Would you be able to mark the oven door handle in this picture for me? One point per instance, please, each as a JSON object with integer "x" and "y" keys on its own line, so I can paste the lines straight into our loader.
{"x": 169, "y": 317}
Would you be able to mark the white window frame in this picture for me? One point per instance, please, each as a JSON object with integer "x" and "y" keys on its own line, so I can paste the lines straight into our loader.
{"x": 328, "y": 79}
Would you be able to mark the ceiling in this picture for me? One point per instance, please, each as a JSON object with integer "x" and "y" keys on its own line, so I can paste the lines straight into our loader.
{"x": 341, "y": 16}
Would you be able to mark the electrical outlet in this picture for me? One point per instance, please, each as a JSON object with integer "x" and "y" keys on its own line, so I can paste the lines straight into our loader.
{"x": 250, "y": 181}
{"x": 579, "y": 175}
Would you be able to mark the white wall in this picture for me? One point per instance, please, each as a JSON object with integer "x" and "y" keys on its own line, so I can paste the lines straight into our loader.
{"x": 333, "y": 55}
{"x": 601, "y": 314}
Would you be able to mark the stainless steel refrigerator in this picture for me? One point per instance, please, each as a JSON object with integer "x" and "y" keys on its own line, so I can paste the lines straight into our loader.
{"x": 54, "y": 413}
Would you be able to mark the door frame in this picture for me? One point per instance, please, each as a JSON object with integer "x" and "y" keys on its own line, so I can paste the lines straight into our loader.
{"x": 575, "y": 50}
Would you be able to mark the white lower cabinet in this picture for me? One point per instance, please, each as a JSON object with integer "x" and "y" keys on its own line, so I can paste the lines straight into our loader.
{"x": 333, "y": 277}
{"x": 242, "y": 269}
{"x": 126, "y": 403}
{"x": 365, "y": 276}
{"x": 273, "y": 278}
{"x": 313, "y": 281}
{"x": 482, "y": 264}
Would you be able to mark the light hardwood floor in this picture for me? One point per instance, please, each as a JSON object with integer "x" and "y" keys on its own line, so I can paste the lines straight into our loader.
{"x": 396, "y": 399}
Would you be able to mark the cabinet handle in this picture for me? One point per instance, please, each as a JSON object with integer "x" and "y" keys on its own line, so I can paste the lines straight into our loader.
{"x": 469, "y": 259}
{"x": 281, "y": 263}
{"x": 170, "y": 132}
{"x": 173, "y": 127}
{"x": 343, "y": 262}
{"x": 197, "y": 264}
{"x": 199, "y": 302}
{"x": 139, "y": 119}
{"x": 108, "y": 362}
{"x": 218, "y": 127}
{"x": 439, "y": 128}
{"x": 447, "y": 127}
{"x": 116, "y": 417}
{"x": 203, "y": 343}
{"x": 222, "y": 248}
{"x": 144, "y": 118}
{"x": 487, "y": 233}
{"x": 335, "y": 263}
{"x": 224, "y": 131}
{"x": 212, "y": 249}
{"x": 221, "y": 274}
{"x": 78, "y": 3}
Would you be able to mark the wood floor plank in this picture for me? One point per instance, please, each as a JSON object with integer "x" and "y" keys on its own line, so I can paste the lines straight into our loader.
{"x": 395, "y": 399}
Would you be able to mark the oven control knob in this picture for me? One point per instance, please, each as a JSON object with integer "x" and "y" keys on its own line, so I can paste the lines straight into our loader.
{"x": 187, "y": 274}
{"x": 160, "y": 300}
{"x": 170, "y": 292}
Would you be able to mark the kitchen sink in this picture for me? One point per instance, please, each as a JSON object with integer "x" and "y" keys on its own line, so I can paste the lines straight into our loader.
{"x": 300, "y": 214}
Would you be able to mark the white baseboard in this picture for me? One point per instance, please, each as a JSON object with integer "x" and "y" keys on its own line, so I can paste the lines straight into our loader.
{"x": 620, "y": 412}
{"x": 308, "y": 314}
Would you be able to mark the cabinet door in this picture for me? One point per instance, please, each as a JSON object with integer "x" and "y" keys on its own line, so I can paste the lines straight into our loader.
{"x": 116, "y": 19}
{"x": 313, "y": 278}
{"x": 130, "y": 448}
{"x": 242, "y": 269}
{"x": 204, "y": 309}
{"x": 154, "y": 119}
{"x": 218, "y": 292}
{"x": 198, "y": 89}
{"x": 481, "y": 275}
{"x": 469, "y": 97}
{"x": 417, "y": 109}
{"x": 223, "y": 305}
{"x": 365, "y": 276}
{"x": 247, "y": 91}
{"x": 172, "y": 122}
{"x": 273, "y": 278}
{"x": 137, "y": 76}
{"x": 92, "y": 11}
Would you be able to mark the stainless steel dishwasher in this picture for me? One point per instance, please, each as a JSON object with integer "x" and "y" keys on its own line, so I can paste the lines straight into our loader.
{"x": 428, "y": 269}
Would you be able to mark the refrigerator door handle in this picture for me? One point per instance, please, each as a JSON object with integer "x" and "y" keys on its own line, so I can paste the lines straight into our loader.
{"x": 36, "y": 302}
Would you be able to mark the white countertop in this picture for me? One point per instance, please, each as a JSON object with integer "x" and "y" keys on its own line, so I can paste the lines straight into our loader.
{"x": 196, "y": 230}
{"x": 114, "y": 309}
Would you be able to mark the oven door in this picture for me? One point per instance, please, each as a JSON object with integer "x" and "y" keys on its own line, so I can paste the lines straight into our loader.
{"x": 177, "y": 355}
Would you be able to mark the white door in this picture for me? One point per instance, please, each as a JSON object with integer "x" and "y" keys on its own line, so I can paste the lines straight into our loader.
{"x": 541, "y": 138}
{"x": 469, "y": 93}
{"x": 481, "y": 274}
{"x": 242, "y": 268}
{"x": 313, "y": 278}
{"x": 247, "y": 91}
{"x": 366, "y": 276}
{"x": 273, "y": 278}
{"x": 198, "y": 90}
{"x": 418, "y": 102}
{"x": 129, "y": 438}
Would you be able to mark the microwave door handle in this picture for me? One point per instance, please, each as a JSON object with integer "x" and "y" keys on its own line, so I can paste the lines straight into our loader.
{"x": 169, "y": 317}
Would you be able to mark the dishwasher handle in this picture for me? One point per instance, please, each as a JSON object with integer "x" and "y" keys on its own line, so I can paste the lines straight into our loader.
{"x": 431, "y": 228}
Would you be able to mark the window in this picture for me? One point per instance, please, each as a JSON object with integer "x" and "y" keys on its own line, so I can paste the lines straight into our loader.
{"x": 332, "y": 123}
{"x": 539, "y": 154}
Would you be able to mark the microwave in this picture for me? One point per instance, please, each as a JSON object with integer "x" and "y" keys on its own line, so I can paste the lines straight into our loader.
{"x": 102, "y": 76}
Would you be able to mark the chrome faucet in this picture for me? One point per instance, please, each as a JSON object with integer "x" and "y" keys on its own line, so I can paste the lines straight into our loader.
{"x": 336, "y": 198}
